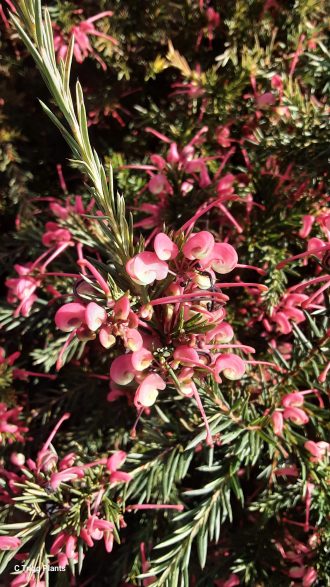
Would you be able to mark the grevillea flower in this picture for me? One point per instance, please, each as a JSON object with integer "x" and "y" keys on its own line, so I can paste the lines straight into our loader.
{"x": 132, "y": 339}
{"x": 122, "y": 371}
{"x": 223, "y": 333}
{"x": 278, "y": 422}
{"x": 307, "y": 224}
{"x": 292, "y": 399}
{"x": 96, "y": 529}
{"x": 187, "y": 386}
{"x": 146, "y": 267}
{"x": 147, "y": 392}
{"x": 173, "y": 156}
{"x": 296, "y": 415}
{"x": 11, "y": 428}
{"x": 106, "y": 337}
{"x": 113, "y": 464}
{"x": 222, "y": 259}
{"x": 70, "y": 474}
{"x": 159, "y": 184}
{"x": 9, "y": 543}
{"x": 121, "y": 308}
{"x": 64, "y": 547}
{"x": 82, "y": 46}
{"x": 198, "y": 246}
{"x": 94, "y": 316}
{"x": 141, "y": 359}
{"x": 165, "y": 248}
{"x": 232, "y": 366}
{"x": 22, "y": 288}
{"x": 70, "y": 316}
{"x": 186, "y": 355}
{"x": 17, "y": 459}
{"x": 318, "y": 450}
{"x": 55, "y": 235}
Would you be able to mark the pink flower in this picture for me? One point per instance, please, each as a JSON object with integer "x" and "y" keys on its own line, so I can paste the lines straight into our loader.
{"x": 282, "y": 322}
{"x": 223, "y": 333}
{"x": 187, "y": 386}
{"x": 116, "y": 460}
{"x": 96, "y": 529}
{"x": 67, "y": 542}
{"x": 309, "y": 577}
{"x": 232, "y": 366}
{"x": 159, "y": 184}
{"x": 22, "y": 289}
{"x": 55, "y": 235}
{"x": 225, "y": 185}
{"x": 222, "y": 134}
{"x": 186, "y": 355}
{"x": 70, "y": 474}
{"x": 70, "y": 547}
{"x": 113, "y": 464}
{"x": 132, "y": 339}
{"x": 318, "y": 450}
{"x": 67, "y": 461}
{"x": 145, "y": 268}
{"x": 94, "y": 316}
{"x": 70, "y": 316}
{"x": 158, "y": 161}
{"x": 121, "y": 309}
{"x": 9, "y": 543}
{"x": 60, "y": 211}
{"x": 277, "y": 421}
{"x": 296, "y": 415}
{"x": 17, "y": 459}
{"x": 173, "y": 154}
{"x": 141, "y": 359}
{"x": 47, "y": 460}
{"x": 292, "y": 399}
{"x": 186, "y": 187}
{"x": 11, "y": 428}
{"x": 222, "y": 259}
{"x": 106, "y": 337}
{"x": 276, "y": 82}
{"x": 122, "y": 370}
{"x": 296, "y": 572}
{"x": 147, "y": 392}
{"x": 308, "y": 221}
{"x": 82, "y": 47}
{"x": 198, "y": 246}
{"x": 266, "y": 99}
{"x": 58, "y": 543}
{"x": 165, "y": 248}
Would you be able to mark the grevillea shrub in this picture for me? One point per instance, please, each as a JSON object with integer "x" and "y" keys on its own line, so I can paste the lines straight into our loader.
{"x": 164, "y": 388}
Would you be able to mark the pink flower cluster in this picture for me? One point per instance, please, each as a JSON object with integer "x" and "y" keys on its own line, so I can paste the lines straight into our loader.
{"x": 64, "y": 476}
{"x": 186, "y": 266}
{"x": 82, "y": 46}
{"x": 184, "y": 169}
